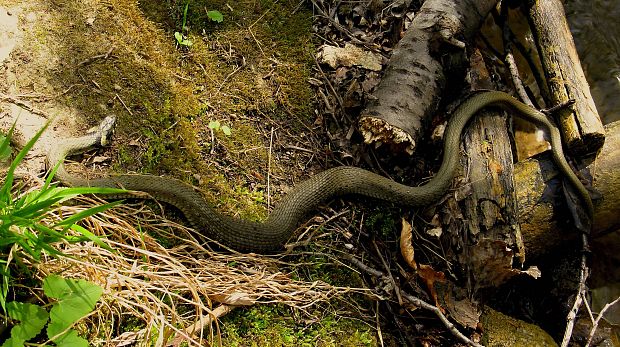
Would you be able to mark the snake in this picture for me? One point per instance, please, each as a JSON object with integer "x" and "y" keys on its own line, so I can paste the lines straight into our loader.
{"x": 272, "y": 233}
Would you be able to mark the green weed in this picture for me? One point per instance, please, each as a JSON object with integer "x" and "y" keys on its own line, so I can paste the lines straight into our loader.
{"x": 179, "y": 36}
{"x": 23, "y": 233}
{"x": 216, "y": 126}
{"x": 215, "y": 16}
{"x": 74, "y": 299}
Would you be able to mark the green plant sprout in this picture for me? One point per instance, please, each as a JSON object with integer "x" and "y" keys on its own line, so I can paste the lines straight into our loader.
{"x": 215, "y": 16}
{"x": 74, "y": 299}
{"x": 179, "y": 36}
{"x": 216, "y": 126}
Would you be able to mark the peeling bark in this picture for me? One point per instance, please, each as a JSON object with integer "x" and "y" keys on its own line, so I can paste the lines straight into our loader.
{"x": 414, "y": 78}
{"x": 581, "y": 126}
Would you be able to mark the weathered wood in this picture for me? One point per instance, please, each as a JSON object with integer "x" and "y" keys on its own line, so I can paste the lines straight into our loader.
{"x": 543, "y": 215}
{"x": 582, "y": 128}
{"x": 414, "y": 78}
{"x": 491, "y": 209}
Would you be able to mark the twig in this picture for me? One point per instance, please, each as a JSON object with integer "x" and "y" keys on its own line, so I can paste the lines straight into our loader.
{"x": 25, "y": 106}
{"x": 342, "y": 29}
{"x": 203, "y": 322}
{"x": 96, "y": 57}
{"x": 417, "y": 302}
{"x": 269, "y": 170}
{"x": 581, "y": 290}
{"x": 389, "y": 273}
{"x": 598, "y": 319}
{"x": 363, "y": 266}
{"x": 421, "y": 303}
{"x": 212, "y": 142}
{"x": 229, "y": 76}
{"x": 124, "y": 105}
{"x": 291, "y": 245}
{"x": 297, "y": 148}
{"x": 514, "y": 73}
{"x": 378, "y": 325}
{"x": 509, "y": 59}
{"x": 333, "y": 90}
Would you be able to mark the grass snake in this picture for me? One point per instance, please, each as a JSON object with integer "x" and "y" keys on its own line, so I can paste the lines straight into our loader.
{"x": 271, "y": 234}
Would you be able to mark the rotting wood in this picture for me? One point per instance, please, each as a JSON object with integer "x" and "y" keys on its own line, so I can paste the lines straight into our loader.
{"x": 581, "y": 126}
{"x": 543, "y": 215}
{"x": 490, "y": 209}
{"x": 485, "y": 206}
{"x": 414, "y": 78}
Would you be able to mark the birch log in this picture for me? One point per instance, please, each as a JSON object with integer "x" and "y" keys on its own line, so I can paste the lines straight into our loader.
{"x": 410, "y": 89}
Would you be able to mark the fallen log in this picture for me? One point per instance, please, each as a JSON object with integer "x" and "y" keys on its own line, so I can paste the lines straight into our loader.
{"x": 410, "y": 89}
{"x": 581, "y": 125}
{"x": 545, "y": 224}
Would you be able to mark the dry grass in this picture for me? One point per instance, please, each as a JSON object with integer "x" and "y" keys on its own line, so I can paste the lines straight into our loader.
{"x": 171, "y": 293}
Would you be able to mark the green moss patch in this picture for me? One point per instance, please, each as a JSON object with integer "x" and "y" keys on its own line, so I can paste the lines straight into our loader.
{"x": 273, "y": 326}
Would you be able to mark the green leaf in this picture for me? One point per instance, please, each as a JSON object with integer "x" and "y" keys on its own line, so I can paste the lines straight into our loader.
{"x": 182, "y": 40}
{"x": 87, "y": 213}
{"x": 76, "y": 298}
{"x": 71, "y": 339}
{"x": 8, "y": 180}
{"x": 226, "y": 130}
{"x": 6, "y": 140}
{"x": 214, "y": 124}
{"x": 185, "y": 16}
{"x": 5, "y": 149}
{"x": 92, "y": 237}
{"x": 32, "y": 319}
{"x": 13, "y": 342}
{"x": 215, "y": 16}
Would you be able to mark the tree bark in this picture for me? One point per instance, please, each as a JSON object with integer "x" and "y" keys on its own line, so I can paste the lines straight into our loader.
{"x": 545, "y": 222}
{"x": 581, "y": 126}
{"x": 414, "y": 78}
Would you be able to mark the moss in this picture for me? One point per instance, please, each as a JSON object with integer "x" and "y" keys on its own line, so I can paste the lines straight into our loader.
{"x": 502, "y": 330}
{"x": 249, "y": 72}
{"x": 383, "y": 222}
{"x": 272, "y": 325}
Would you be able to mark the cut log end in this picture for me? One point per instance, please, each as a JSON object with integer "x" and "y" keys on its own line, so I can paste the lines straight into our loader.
{"x": 377, "y": 130}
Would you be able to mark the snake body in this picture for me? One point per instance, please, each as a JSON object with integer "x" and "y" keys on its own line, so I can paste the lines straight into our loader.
{"x": 270, "y": 235}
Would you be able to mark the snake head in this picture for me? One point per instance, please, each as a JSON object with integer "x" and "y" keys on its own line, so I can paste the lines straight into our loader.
{"x": 105, "y": 129}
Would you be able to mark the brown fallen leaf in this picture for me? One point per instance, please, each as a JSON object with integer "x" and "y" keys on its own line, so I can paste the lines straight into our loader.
{"x": 426, "y": 272}
{"x": 406, "y": 244}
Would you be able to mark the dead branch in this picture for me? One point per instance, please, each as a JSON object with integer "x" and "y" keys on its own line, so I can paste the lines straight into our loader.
{"x": 17, "y": 102}
{"x": 415, "y": 301}
{"x": 584, "y": 272}
{"x": 414, "y": 78}
{"x": 598, "y": 320}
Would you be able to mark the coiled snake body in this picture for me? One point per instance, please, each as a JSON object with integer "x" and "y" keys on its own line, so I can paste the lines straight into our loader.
{"x": 271, "y": 234}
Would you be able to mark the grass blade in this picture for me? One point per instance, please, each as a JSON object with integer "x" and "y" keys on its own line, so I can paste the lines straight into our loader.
{"x": 67, "y": 222}
{"x": 8, "y": 182}
{"x": 92, "y": 237}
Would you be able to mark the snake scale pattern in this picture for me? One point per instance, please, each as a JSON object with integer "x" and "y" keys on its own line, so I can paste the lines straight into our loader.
{"x": 270, "y": 235}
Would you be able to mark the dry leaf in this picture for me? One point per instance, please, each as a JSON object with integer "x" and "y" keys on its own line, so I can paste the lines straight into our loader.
{"x": 350, "y": 55}
{"x": 406, "y": 244}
